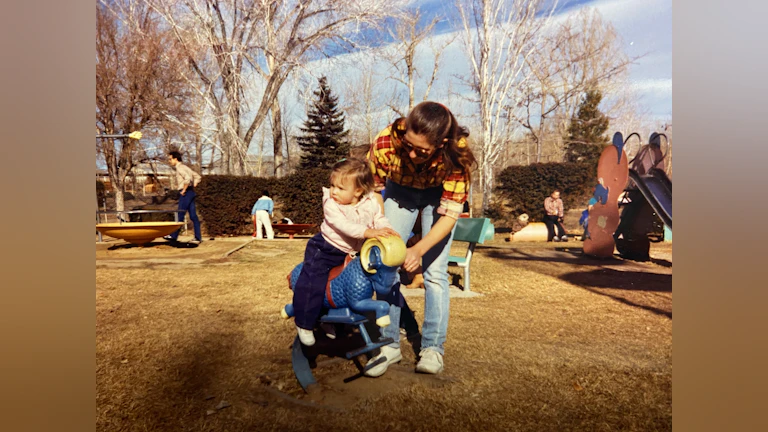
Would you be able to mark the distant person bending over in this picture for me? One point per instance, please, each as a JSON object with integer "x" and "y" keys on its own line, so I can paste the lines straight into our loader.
{"x": 350, "y": 215}
{"x": 261, "y": 213}
{"x": 553, "y": 215}
{"x": 187, "y": 180}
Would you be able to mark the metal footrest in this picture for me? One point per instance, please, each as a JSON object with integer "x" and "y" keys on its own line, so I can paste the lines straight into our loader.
{"x": 343, "y": 316}
{"x": 368, "y": 367}
{"x": 301, "y": 366}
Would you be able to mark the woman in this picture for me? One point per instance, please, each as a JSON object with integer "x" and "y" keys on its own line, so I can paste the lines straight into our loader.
{"x": 424, "y": 162}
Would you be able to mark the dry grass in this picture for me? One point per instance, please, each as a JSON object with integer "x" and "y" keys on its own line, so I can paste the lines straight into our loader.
{"x": 557, "y": 342}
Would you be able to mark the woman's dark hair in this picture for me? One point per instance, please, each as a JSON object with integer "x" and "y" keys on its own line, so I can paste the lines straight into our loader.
{"x": 439, "y": 126}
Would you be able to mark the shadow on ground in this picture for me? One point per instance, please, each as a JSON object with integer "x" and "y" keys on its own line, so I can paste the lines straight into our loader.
{"x": 177, "y": 245}
{"x": 612, "y": 277}
{"x": 564, "y": 254}
{"x": 637, "y": 287}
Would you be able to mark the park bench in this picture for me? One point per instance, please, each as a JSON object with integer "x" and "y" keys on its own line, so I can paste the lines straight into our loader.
{"x": 471, "y": 231}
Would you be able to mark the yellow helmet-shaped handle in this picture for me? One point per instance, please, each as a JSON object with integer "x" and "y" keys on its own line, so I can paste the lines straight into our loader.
{"x": 392, "y": 252}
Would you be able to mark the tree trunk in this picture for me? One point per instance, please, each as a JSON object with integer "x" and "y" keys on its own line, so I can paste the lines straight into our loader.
{"x": 410, "y": 87}
{"x": 539, "y": 144}
{"x": 538, "y": 149}
{"x": 487, "y": 186}
{"x": 211, "y": 164}
{"x": 225, "y": 153}
{"x": 119, "y": 196}
{"x": 488, "y": 144}
{"x": 199, "y": 154}
{"x": 277, "y": 138}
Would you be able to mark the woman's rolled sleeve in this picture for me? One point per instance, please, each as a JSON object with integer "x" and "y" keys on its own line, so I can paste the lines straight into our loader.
{"x": 454, "y": 194}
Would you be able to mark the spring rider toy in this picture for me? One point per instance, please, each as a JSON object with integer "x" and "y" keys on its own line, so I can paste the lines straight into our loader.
{"x": 348, "y": 295}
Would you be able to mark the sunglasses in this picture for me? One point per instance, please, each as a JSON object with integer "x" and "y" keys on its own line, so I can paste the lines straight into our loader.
{"x": 418, "y": 150}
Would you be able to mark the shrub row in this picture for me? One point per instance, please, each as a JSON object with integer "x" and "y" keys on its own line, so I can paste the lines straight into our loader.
{"x": 522, "y": 189}
{"x": 224, "y": 202}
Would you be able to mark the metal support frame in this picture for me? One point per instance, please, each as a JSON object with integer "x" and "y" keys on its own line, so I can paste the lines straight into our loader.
{"x": 302, "y": 367}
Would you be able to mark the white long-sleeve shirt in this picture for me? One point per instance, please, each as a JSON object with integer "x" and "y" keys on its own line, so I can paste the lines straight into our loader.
{"x": 344, "y": 225}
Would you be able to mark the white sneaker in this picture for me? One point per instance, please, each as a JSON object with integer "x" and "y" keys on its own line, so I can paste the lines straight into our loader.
{"x": 556, "y": 238}
{"x": 564, "y": 238}
{"x": 329, "y": 329}
{"x": 393, "y": 356}
{"x": 307, "y": 337}
{"x": 431, "y": 362}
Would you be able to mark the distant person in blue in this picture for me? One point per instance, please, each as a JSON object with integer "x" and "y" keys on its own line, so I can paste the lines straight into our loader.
{"x": 262, "y": 215}
{"x": 599, "y": 196}
{"x": 584, "y": 222}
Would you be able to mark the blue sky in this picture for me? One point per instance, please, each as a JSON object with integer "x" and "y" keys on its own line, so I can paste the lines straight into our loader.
{"x": 645, "y": 27}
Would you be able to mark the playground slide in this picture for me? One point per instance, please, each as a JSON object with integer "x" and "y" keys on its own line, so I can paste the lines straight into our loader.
{"x": 657, "y": 190}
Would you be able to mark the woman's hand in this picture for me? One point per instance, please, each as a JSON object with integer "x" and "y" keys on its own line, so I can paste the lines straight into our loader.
{"x": 380, "y": 233}
{"x": 412, "y": 260}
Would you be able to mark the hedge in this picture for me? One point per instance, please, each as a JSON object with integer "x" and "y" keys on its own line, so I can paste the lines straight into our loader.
{"x": 225, "y": 202}
{"x": 522, "y": 189}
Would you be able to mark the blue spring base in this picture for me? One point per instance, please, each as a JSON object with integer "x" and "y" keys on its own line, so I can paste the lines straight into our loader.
{"x": 301, "y": 364}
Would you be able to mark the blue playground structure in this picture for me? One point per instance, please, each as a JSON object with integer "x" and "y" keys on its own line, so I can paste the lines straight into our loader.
{"x": 648, "y": 195}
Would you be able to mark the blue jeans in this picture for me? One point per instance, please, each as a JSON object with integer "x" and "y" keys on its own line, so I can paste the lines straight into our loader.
{"x": 401, "y": 206}
{"x": 187, "y": 204}
{"x": 308, "y": 294}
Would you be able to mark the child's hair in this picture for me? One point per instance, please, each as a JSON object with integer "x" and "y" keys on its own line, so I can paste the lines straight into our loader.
{"x": 265, "y": 192}
{"x": 440, "y": 127}
{"x": 357, "y": 169}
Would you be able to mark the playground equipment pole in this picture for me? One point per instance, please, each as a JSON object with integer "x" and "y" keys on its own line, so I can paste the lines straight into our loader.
{"x": 134, "y": 135}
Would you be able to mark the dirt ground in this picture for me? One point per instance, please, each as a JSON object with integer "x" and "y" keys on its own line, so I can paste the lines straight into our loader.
{"x": 187, "y": 339}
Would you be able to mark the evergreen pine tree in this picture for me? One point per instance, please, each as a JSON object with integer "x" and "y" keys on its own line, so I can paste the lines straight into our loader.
{"x": 585, "y": 140}
{"x": 324, "y": 141}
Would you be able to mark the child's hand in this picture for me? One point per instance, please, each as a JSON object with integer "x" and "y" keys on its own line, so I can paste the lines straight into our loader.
{"x": 380, "y": 233}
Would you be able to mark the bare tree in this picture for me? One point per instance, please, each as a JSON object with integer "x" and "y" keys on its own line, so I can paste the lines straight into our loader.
{"x": 582, "y": 53}
{"x": 289, "y": 143}
{"x": 232, "y": 44}
{"x": 138, "y": 87}
{"x": 499, "y": 36}
{"x": 364, "y": 98}
{"x": 402, "y": 54}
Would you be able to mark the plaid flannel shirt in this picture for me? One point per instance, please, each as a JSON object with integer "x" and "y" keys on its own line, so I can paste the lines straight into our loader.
{"x": 387, "y": 163}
